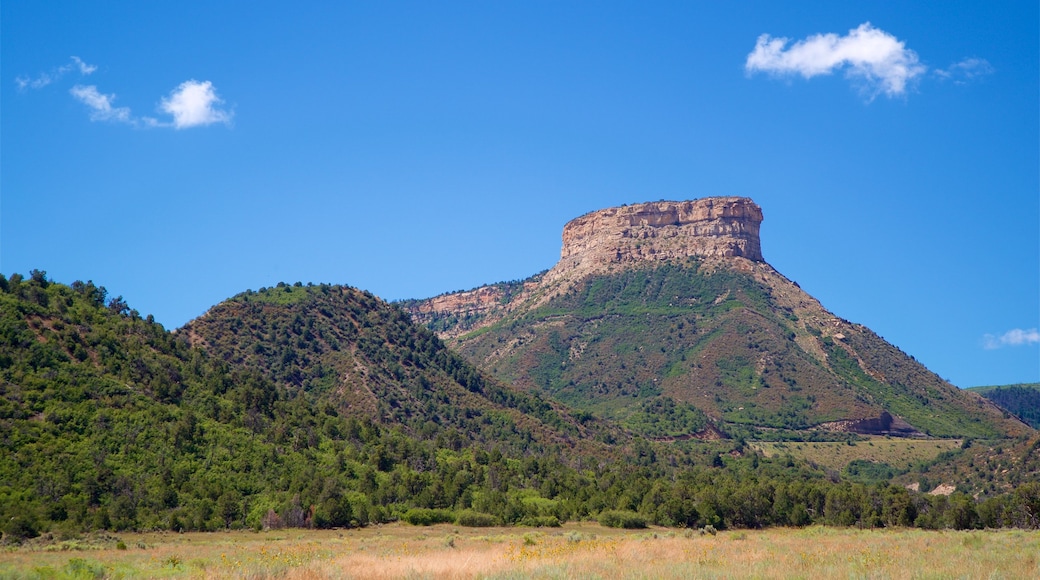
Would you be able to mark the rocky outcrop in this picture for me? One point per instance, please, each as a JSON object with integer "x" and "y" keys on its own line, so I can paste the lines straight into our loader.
{"x": 885, "y": 424}
{"x": 712, "y": 227}
{"x": 609, "y": 240}
{"x": 477, "y": 301}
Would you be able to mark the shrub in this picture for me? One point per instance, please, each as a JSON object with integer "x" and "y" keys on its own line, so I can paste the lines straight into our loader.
{"x": 427, "y": 517}
{"x": 80, "y": 568}
{"x": 18, "y": 529}
{"x": 628, "y": 520}
{"x": 472, "y": 519}
{"x": 576, "y": 537}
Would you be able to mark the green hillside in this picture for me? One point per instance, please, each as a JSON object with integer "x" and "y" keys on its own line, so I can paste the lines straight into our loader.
{"x": 726, "y": 343}
{"x": 1023, "y": 400}
{"x": 366, "y": 359}
{"x": 108, "y": 421}
{"x": 982, "y": 468}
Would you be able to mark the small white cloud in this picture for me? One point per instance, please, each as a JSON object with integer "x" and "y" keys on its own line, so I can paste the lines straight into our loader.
{"x": 101, "y": 105}
{"x": 1013, "y": 337}
{"x": 44, "y": 79}
{"x": 965, "y": 71}
{"x": 193, "y": 103}
{"x": 872, "y": 56}
{"x": 84, "y": 68}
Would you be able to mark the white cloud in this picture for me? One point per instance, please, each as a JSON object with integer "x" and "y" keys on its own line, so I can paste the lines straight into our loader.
{"x": 193, "y": 103}
{"x": 101, "y": 104}
{"x": 1013, "y": 337}
{"x": 44, "y": 79}
{"x": 867, "y": 54}
{"x": 84, "y": 68}
{"x": 965, "y": 71}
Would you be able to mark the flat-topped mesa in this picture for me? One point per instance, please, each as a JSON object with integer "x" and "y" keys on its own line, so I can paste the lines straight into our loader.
{"x": 663, "y": 230}
{"x": 609, "y": 240}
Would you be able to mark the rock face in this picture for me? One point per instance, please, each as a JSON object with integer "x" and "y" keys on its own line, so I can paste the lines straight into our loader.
{"x": 713, "y": 227}
{"x": 470, "y": 303}
{"x": 609, "y": 240}
{"x": 885, "y": 424}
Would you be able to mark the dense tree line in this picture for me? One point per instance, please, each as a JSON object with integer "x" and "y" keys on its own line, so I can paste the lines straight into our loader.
{"x": 108, "y": 421}
{"x": 1022, "y": 400}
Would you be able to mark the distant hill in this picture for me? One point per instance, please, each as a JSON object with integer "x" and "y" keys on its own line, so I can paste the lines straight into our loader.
{"x": 983, "y": 468}
{"x": 1023, "y": 400}
{"x": 367, "y": 359}
{"x": 108, "y": 421}
{"x": 671, "y": 305}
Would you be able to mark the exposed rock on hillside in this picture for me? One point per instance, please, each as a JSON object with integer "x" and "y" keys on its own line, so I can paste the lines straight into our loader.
{"x": 605, "y": 241}
{"x": 659, "y": 230}
{"x": 674, "y": 299}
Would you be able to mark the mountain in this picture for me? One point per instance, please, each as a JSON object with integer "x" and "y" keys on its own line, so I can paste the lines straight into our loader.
{"x": 367, "y": 359}
{"x": 1022, "y": 400}
{"x": 670, "y": 305}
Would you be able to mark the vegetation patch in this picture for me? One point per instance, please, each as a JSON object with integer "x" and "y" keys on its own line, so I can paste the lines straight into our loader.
{"x": 474, "y": 519}
{"x": 1023, "y": 400}
{"x": 578, "y": 549}
{"x": 662, "y": 417}
{"x": 896, "y": 453}
{"x": 628, "y": 520}
{"x": 428, "y": 517}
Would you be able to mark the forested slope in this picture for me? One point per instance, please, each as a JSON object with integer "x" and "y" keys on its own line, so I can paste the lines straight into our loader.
{"x": 367, "y": 359}
{"x": 108, "y": 421}
{"x": 1022, "y": 400}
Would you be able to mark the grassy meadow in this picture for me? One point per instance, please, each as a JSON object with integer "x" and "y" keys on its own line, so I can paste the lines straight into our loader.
{"x": 898, "y": 452}
{"x": 578, "y": 550}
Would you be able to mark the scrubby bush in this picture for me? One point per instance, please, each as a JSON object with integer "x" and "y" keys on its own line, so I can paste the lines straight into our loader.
{"x": 622, "y": 519}
{"x": 427, "y": 517}
{"x": 474, "y": 519}
{"x": 18, "y": 529}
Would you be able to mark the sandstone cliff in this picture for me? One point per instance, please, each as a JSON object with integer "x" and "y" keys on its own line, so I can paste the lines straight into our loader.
{"x": 661, "y": 230}
{"x": 608, "y": 240}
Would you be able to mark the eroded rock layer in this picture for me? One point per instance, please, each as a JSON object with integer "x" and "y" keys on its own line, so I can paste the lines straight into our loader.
{"x": 604, "y": 241}
{"x": 712, "y": 227}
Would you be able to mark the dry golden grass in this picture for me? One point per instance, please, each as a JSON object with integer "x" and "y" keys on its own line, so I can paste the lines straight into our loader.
{"x": 899, "y": 453}
{"x": 576, "y": 551}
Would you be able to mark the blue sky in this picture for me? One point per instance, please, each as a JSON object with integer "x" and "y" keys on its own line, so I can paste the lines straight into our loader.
{"x": 179, "y": 153}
